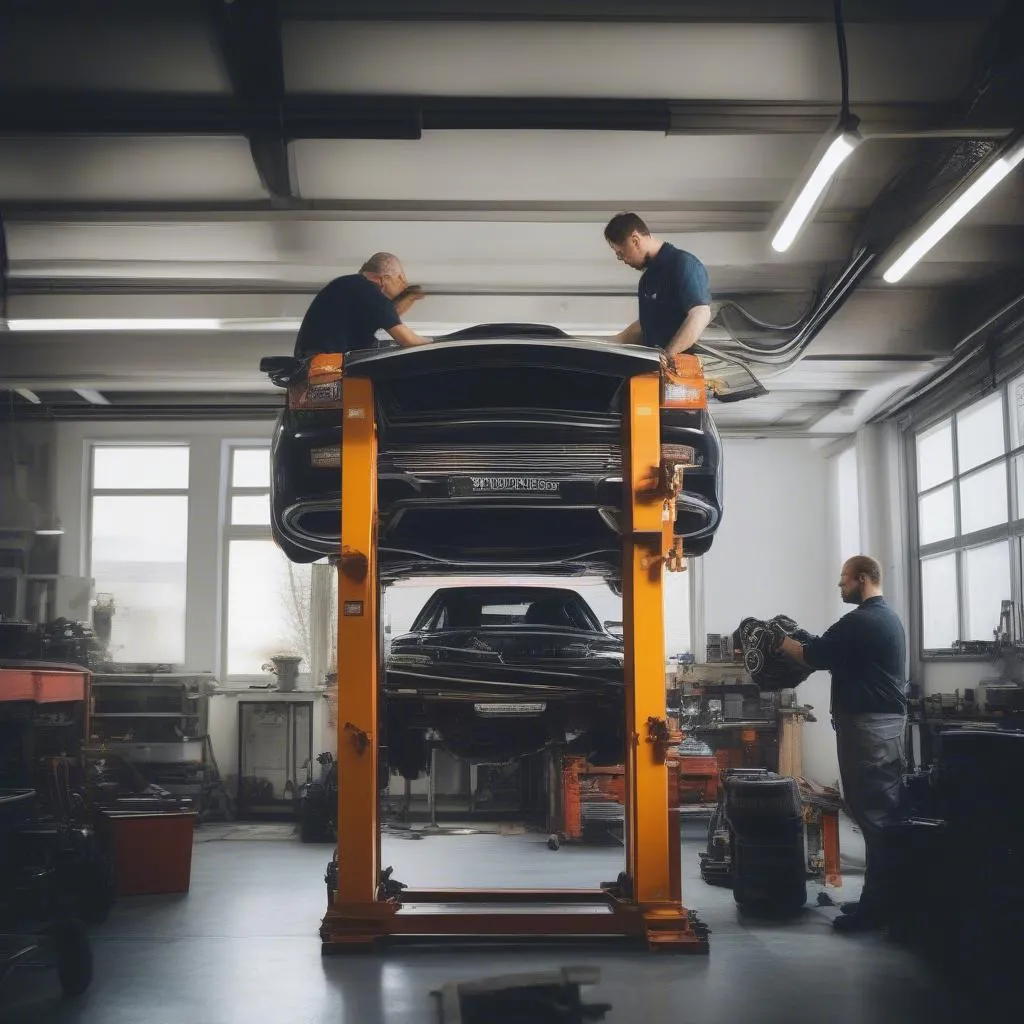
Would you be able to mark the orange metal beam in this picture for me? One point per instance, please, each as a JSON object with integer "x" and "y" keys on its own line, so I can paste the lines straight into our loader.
{"x": 647, "y": 839}
{"x": 358, "y": 654}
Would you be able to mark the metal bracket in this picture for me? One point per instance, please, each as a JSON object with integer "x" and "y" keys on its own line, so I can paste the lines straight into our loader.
{"x": 354, "y": 564}
{"x": 360, "y": 739}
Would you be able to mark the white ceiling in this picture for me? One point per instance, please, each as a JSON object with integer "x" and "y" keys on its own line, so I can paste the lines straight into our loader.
{"x": 496, "y": 224}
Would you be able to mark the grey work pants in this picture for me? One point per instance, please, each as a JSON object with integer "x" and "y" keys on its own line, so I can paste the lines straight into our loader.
{"x": 871, "y": 765}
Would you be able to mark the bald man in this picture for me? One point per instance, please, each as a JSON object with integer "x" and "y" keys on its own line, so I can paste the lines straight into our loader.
{"x": 865, "y": 651}
{"x": 347, "y": 313}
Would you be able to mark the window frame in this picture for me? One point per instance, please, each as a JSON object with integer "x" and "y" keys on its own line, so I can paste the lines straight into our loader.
{"x": 1011, "y": 532}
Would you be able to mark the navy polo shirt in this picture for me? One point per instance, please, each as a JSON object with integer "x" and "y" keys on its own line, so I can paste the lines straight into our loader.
{"x": 672, "y": 284}
{"x": 345, "y": 315}
{"x": 866, "y": 652}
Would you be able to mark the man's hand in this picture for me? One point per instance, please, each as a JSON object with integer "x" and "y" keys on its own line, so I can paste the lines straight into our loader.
{"x": 405, "y": 298}
{"x": 413, "y": 293}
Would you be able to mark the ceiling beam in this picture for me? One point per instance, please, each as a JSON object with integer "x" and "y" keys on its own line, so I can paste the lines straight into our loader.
{"x": 249, "y": 38}
{"x": 270, "y": 118}
{"x": 669, "y": 11}
{"x": 678, "y": 11}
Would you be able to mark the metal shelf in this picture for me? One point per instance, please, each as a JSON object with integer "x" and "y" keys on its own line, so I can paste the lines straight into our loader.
{"x": 143, "y": 714}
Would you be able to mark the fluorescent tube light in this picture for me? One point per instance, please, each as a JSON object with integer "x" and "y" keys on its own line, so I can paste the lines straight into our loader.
{"x": 29, "y": 395}
{"x": 115, "y": 324}
{"x": 934, "y": 232}
{"x": 92, "y": 396}
{"x": 809, "y": 196}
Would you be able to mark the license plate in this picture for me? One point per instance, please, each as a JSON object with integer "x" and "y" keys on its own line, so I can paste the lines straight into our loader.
{"x": 468, "y": 486}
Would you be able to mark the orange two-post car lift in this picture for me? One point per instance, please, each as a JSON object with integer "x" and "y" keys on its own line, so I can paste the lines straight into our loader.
{"x": 646, "y": 900}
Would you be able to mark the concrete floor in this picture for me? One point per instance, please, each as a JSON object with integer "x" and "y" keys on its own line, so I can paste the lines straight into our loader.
{"x": 242, "y": 948}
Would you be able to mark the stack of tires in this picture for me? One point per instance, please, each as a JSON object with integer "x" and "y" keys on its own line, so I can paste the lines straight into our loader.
{"x": 764, "y": 815}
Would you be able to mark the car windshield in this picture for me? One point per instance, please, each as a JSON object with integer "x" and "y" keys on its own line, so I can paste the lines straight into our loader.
{"x": 495, "y": 607}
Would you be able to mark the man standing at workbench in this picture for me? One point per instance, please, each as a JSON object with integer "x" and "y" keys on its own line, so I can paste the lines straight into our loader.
{"x": 674, "y": 294}
{"x": 865, "y": 651}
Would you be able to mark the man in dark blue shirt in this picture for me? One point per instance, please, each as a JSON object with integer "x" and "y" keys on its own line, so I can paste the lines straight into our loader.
{"x": 866, "y": 653}
{"x": 347, "y": 313}
{"x": 674, "y": 294}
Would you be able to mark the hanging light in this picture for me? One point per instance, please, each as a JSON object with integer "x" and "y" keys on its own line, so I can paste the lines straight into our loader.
{"x": 939, "y": 221}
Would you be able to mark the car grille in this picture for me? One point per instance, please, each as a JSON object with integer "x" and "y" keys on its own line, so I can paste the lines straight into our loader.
{"x": 500, "y": 458}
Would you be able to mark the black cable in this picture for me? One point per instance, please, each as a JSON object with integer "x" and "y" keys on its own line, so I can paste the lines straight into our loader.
{"x": 4, "y": 267}
{"x": 844, "y": 67}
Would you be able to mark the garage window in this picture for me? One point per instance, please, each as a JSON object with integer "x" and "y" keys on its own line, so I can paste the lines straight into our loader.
{"x": 267, "y": 598}
{"x": 138, "y": 549}
{"x": 969, "y": 517}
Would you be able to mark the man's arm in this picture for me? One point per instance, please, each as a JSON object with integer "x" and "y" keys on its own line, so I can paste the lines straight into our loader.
{"x": 690, "y": 330}
{"x": 631, "y": 335}
{"x": 407, "y": 337}
{"x": 794, "y": 649}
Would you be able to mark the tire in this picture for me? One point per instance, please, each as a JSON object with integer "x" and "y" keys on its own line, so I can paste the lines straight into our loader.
{"x": 553, "y": 842}
{"x": 74, "y": 957}
{"x": 291, "y": 550}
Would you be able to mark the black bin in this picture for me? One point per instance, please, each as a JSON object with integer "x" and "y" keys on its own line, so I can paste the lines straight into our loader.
{"x": 765, "y": 819}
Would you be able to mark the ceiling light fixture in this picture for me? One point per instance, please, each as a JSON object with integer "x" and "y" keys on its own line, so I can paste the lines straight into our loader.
{"x": 836, "y": 145}
{"x": 940, "y": 221}
{"x": 92, "y": 396}
{"x": 114, "y": 324}
{"x": 834, "y": 148}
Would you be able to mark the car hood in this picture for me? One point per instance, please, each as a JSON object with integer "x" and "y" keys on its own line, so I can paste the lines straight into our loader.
{"x": 494, "y": 353}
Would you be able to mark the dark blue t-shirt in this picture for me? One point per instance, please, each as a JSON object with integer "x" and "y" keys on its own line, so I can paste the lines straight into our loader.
{"x": 866, "y": 653}
{"x": 672, "y": 284}
{"x": 345, "y": 315}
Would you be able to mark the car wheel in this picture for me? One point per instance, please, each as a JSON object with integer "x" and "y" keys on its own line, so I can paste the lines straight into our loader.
{"x": 696, "y": 548}
{"x": 292, "y": 551}
{"x": 74, "y": 956}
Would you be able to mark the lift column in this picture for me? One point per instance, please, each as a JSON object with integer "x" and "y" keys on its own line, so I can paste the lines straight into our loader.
{"x": 649, "y": 550}
{"x": 355, "y": 913}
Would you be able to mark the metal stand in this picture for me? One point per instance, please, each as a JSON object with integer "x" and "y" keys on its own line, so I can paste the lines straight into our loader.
{"x": 646, "y": 900}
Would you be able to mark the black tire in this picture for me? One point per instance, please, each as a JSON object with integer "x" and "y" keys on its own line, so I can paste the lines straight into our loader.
{"x": 292, "y": 551}
{"x": 553, "y": 842}
{"x": 98, "y": 891}
{"x": 74, "y": 956}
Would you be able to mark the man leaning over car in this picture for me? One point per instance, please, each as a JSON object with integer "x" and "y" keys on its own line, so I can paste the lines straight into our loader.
{"x": 347, "y": 313}
{"x": 674, "y": 294}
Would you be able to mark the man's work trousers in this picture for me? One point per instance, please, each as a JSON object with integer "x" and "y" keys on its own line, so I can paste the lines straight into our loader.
{"x": 871, "y": 764}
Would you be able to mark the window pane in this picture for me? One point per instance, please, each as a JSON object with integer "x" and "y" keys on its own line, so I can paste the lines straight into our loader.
{"x": 979, "y": 433}
{"x": 250, "y": 467}
{"x": 140, "y": 467}
{"x": 938, "y": 602}
{"x": 986, "y": 586}
{"x": 1018, "y": 477}
{"x": 935, "y": 456}
{"x": 983, "y": 499}
{"x": 250, "y": 510}
{"x": 1017, "y": 412}
{"x": 935, "y": 516}
{"x": 139, "y": 547}
{"x": 268, "y": 606}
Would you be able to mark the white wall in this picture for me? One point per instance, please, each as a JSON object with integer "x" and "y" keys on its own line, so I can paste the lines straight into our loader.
{"x": 773, "y": 555}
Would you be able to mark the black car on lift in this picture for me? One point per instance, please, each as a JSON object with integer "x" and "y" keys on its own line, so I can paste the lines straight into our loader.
{"x": 500, "y": 671}
{"x": 499, "y": 448}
